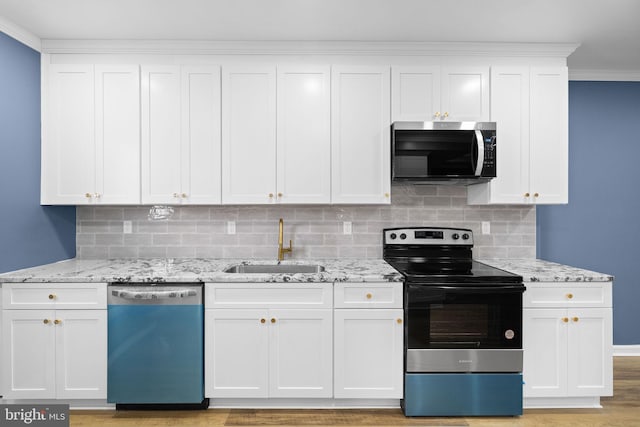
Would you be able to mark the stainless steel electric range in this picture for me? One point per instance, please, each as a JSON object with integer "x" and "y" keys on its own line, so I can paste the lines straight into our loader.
{"x": 463, "y": 325}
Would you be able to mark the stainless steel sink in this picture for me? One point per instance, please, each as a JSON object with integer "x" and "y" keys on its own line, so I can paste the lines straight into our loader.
{"x": 275, "y": 268}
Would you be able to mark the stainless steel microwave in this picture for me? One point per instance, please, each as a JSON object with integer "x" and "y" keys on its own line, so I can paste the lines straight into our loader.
{"x": 443, "y": 152}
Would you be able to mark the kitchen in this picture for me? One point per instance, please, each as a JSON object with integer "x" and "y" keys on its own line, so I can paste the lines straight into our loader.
{"x": 317, "y": 232}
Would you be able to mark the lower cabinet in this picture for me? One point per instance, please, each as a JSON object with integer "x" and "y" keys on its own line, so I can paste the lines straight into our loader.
{"x": 55, "y": 354}
{"x": 568, "y": 342}
{"x": 276, "y": 342}
{"x": 368, "y": 353}
{"x": 368, "y": 340}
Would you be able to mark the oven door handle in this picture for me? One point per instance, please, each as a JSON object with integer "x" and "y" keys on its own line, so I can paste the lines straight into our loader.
{"x": 501, "y": 289}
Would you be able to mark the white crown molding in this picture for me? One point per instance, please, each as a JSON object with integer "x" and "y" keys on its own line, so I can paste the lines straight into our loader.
{"x": 626, "y": 350}
{"x": 20, "y": 34}
{"x": 605, "y": 75}
{"x": 308, "y": 48}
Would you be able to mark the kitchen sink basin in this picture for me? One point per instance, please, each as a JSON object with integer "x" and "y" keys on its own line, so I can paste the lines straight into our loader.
{"x": 275, "y": 268}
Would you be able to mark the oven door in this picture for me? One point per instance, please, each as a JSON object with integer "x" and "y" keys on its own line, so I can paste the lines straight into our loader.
{"x": 455, "y": 328}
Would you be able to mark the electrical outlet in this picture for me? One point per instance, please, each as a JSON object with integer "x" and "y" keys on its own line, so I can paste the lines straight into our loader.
{"x": 346, "y": 227}
{"x": 127, "y": 227}
{"x": 486, "y": 227}
{"x": 231, "y": 227}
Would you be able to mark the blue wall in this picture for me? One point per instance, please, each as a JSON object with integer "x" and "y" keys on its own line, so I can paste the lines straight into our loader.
{"x": 600, "y": 227}
{"x": 30, "y": 234}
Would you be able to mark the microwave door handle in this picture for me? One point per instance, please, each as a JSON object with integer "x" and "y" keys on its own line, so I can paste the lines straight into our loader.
{"x": 480, "y": 162}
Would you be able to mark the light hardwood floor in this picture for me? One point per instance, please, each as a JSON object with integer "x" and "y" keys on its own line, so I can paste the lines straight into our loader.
{"x": 623, "y": 409}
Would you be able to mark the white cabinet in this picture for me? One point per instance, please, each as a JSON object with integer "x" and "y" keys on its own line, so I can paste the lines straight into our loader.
{"x": 368, "y": 340}
{"x": 181, "y": 134}
{"x": 530, "y": 107}
{"x": 432, "y": 93}
{"x": 276, "y": 341}
{"x": 55, "y": 352}
{"x": 567, "y": 341}
{"x": 360, "y": 135}
{"x": 276, "y": 140}
{"x": 91, "y": 135}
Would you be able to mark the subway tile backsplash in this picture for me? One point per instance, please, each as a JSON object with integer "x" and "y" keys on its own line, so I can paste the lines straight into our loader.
{"x": 316, "y": 231}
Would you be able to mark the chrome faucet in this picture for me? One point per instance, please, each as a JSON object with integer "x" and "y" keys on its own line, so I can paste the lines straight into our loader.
{"x": 282, "y": 250}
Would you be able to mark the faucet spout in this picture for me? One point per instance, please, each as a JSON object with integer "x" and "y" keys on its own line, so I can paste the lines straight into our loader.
{"x": 281, "y": 249}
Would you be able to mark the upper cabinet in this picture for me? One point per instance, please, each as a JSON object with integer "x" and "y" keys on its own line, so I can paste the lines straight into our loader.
{"x": 181, "y": 134}
{"x": 91, "y": 135}
{"x": 530, "y": 107}
{"x": 432, "y": 93}
{"x": 360, "y": 135}
{"x": 276, "y": 139}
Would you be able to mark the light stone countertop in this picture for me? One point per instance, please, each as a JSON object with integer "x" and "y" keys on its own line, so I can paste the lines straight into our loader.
{"x": 538, "y": 270}
{"x": 212, "y": 270}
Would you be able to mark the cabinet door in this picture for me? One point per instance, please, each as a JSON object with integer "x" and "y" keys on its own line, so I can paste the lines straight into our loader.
{"x": 545, "y": 352}
{"x": 549, "y": 147}
{"x": 415, "y": 93}
{"x": 465, "y": 93}
{"x": 201, "y": 137}
{"x": 81, "y": 354}
{"x": 161, "y": 134}
{"x": 360, "y": 135}
{"x": 248, "y": 135}
{"x": 590, "y": 367}
{"x": 300, "y": 353}
{"x": 368, "y": 353}
{"x": 236, "y": 353}
{"x": 303, "y": 135}
{"x": 28, "y": 354}
{"x": 117, "y": 134}
{"x": 68, "y": 138}
{"x": 510, "y": 111}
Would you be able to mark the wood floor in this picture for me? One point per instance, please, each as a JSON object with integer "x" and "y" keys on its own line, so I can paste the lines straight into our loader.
{"x": 623, "y": 409}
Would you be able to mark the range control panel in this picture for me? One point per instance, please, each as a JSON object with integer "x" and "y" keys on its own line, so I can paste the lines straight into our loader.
{"x": 428, "y": 236}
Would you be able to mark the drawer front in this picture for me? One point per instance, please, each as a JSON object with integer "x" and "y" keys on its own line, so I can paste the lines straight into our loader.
{"x": 368, "y": 295}
{"x": 268, "y": 295}
{"x": 69, "y": 296}
{"x": 575, "y": 295}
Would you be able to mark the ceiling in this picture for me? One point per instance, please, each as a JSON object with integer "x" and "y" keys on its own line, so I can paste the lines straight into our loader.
{"x": 608, "y": 31}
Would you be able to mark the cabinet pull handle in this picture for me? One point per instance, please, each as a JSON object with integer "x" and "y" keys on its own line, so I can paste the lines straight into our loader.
{"x": 446, "y": 114}
{"x": 176, "y": 195}
{"x": 279, "y": 194}
{"x": 575, "y": 319}
{"x": 437, "y": 114}
{"x": 263, "y": 320}
{"x": 52, "y": 296}
{"x": 569, "y": 296}
{"x": 88, "y": 195}
{"x": 399, "y": 321}
{"x": 97, "y": 195}
{"x": 369, "y": 296}
{"x": 536, "y": 195}
{"x": 527, "y": 194}
{"x": 565, "y": 319}
{"x": 184, "y": 195}
{"x": 271, "y": 195}
{"x": 386, "y": 195}
{"x": 57, "y": 321}
{"x": 273, "y": 320}
{"x": 46, "y": 321}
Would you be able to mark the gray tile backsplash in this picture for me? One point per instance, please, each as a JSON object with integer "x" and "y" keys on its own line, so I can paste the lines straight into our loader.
{"x": 316, "y": 231}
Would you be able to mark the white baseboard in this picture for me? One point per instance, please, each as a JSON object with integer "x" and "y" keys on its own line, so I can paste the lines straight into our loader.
{"x": 626, "y": 350}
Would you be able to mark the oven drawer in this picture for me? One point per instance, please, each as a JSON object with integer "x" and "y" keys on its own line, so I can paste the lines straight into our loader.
{"x": 544, "y": 295}
{"x": 368, "y": 295}
{"x": 268, "y": 295}
{"x": 30, "y": 296}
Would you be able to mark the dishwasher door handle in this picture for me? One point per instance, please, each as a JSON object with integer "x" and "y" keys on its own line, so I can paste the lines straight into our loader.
{"x": 164, "y": 294}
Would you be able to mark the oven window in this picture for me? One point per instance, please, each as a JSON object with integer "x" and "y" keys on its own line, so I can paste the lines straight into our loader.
{"x": 443, "y": 320}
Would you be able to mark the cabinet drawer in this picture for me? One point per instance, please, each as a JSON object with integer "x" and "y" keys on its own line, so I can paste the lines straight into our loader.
{"x": 268, "y": 295}
{"x": 368, "y": 295}
{"x": 28, "y": 296}
{"x": 575, "y": 295}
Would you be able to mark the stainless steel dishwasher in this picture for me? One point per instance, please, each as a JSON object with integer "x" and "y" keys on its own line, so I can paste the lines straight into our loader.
{"x": 155, "y": 346}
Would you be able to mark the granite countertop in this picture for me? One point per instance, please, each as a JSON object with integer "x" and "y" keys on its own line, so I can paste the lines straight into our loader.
{"x": 538, "y": 270}
{"x": 199, "y": 270}
{"x": 212, "y": 270}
